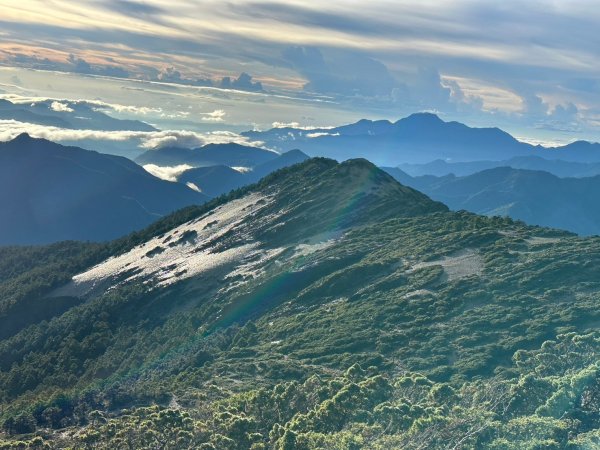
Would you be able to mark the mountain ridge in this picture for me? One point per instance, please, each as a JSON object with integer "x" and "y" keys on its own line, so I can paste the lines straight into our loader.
{"x": 230, "y": 154}
{"x": 534, "y": 196}
{"x": 364, "y": 312}
{"x": 416, "y": 139}
{"x": 51, "y": 192}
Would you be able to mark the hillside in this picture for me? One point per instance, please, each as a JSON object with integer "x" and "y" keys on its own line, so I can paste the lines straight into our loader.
{"x": 49, "y": 193}
{"x": 327, "y": 306}
{"x": 536, "y": 197}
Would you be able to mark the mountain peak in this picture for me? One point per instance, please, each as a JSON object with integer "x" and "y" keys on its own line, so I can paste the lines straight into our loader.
{"x": 422, "y": 117}
{"x": 23, "y": 137}
{"x": 68, "y": 193}
{"x": 322, "y": 195}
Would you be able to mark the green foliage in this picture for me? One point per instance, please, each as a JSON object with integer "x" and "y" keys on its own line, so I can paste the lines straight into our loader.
{"x": 415, "y": 328}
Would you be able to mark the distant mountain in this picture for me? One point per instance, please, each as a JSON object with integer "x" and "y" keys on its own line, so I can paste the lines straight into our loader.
{"x": 49, "y": 192}
{"x": 67, "y": 114}
{"x": 217, "y": 180}
{"x": 416, "y": 139}
{"x": 556, "y": 167}
{"x": 325, "y": 307}
{"x": 536, "y": 197}
{"x": 231, "y": 154}
{"x": 284, "y": 160}
{"x": 214, "y": 180}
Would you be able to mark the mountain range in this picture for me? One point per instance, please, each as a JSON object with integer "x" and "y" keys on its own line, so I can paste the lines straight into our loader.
{"x": 417, "y": 139}
{"x": 556, "y": 167}
{"x": 232, "y": 155}
{"x": 536, "y": 197}
{"x": 49, "y": 192}
{"x": 326, "y": 306}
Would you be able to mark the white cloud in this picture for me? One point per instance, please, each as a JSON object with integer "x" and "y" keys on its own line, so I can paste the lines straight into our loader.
{"x": 242, "y": 169}
{"x": 188, "y": 139}
{"x": 217, "y": 115}
{"x": 168, "y": 173}
{"x": 9, "y": 129}
{"x": 130, "y": 109}
{"x": 286, "y": 125}
{"x": 316, "y": 135}
{"x": 544, "y": 142}
{"x": 193, "y": 186}
{"x": 297, "y": 126}
{"x": 60, "y": 107}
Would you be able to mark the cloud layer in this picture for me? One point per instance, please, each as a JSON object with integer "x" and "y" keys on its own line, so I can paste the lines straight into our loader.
{"x": 147, "y": 140}
{"x": 533, "y": 63}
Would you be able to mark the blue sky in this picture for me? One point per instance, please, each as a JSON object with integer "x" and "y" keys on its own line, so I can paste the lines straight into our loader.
{"x": 531, "y": 67}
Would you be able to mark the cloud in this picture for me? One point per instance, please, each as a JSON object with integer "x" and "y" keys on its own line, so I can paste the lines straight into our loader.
{"x": 193, "y": 186}
{"x": 242, "y": 83}
{"x": 16, "y": 80}
{"x": 168, "y": 173}
{"x": 341, "y": 72}
{"x": 366, "y": 53}
{"x": 560, "y": 117}
{"x": 133, "y": 8}
{"x": 187, "y": 139}
{"x": 60, "y": 107}
{"x": 171, "y": 75}
{"x": 80, "y": 65}
{"x": 320, "y": 134}
{"x": 148, "y": 140}
{"x": 217, "y": 115}
{"x": 130, "y": 109}
{"x": 72, "y": 63}
{"x": 425, "y": 90}
{"x": 297, "y": 126}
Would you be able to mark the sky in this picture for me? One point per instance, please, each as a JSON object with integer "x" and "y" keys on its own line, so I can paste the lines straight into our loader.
{"x": 530, "y": 67}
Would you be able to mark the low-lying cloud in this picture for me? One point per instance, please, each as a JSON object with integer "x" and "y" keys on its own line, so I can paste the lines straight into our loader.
{"x": 168, "y": 173}
{"x": 60, "y": 107}
{"x": 148, "y": 140}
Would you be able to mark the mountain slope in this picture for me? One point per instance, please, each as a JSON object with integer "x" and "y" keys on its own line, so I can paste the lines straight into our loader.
{"x": 49, "y": 193}
{"x": 535, "y": 197}
{"x": 327, "y": 306}
{"x": 416, "y": 139}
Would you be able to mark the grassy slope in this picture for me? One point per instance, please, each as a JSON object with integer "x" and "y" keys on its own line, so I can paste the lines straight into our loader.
{"x": 378, "y": 298}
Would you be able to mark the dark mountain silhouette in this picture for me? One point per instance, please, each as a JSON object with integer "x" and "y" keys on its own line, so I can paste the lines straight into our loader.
{"x": 416, "y": 139}
{"x": 49, "y": 192}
